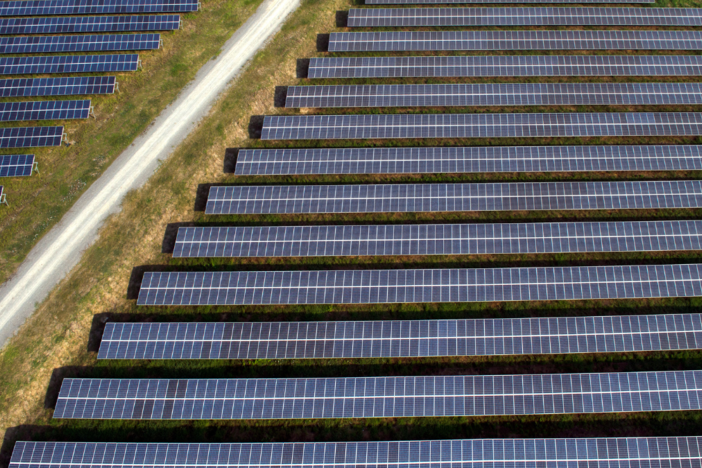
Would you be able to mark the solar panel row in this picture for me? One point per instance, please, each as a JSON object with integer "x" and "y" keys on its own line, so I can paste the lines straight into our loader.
{"x": 30, "y": 137}
{"x": 495, "y": 94}
{"x": 379, "y": 397}
{"x": 88, "y": 24}
{"x": 418, "y": 286}
{"x": 408, "y": 338}
{"x": 390, "y": 126}
{"x": 442, "y": 2}
{"x": 101, "y": 43}
{"x": 372, "y": 198}
{"x": 550, "y": 16}
{"x": 513, "y": 40}
{"x": 506, "y": 65}
{"x": 95, "y": 7}
{"x": 383, "y": 160}
{"x": 26, "y": 87}
{"x": 437, "y": 239}
{"x": 68, "y": 64}
{"x": 44, "y": 110}
{"x": 673, "y": 452}
{"x": 16, "y": 165}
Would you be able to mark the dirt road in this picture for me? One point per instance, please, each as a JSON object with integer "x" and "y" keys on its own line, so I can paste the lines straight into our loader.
{"x": 60, "y": 250}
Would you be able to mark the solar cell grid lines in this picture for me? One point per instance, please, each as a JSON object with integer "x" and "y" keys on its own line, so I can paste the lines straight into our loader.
{"x": 506, "y": 65}
{"x": 86, "y": 43}
{"x": 282, "y": 199}
{"x": 494, "y": 94}
{"x": 550, "y": 16}
{"x": 410, "y": 338}
{"x": 467, "y": 159}
{"x": 374, "y": 397}
{"x": 675, "y": 452}
{"x": 16, "y": 165}
{"x": 397, "y": 41}
{"x": 95, "y": 7}
{"x": 437, "y": 239}
{"x": 26, "y": 87}
{"x": 419, "y": 286}
{"x": 88, "y": 24}
{"x": 68, "y": 64}
{"x": 30, "y": 137}
{"x": 44, "y": 110}
{"x": 391, "y": 126}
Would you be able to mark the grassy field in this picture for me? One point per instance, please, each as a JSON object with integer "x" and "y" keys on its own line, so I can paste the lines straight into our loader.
{"x": 38, "y": 202}
{"x": 57, "y": 341}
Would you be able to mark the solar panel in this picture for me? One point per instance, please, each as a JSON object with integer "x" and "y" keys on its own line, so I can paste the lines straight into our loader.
{"x": 549, "y": 16}
{"x": 495, "y": 94}
{"x": 673, "y": 452}
{"x": 428, "y": 198}
{"x": 95, "y": 7}
{"x": 26, "y": 87}
{"x": 88, "y": 24}
{"x": 370, "y": 126}
{"x": 379, "y": 397}
{"x": 428, "y": 160}
{"x": 419, "y": 286}
{"x": 16, "y": 165}
{"x": 68, "y": 64}
{"x": 44, "y": 110}
{"x": 30, "y": 137}
{"x": 400, "y": 338}
{"x": 99, "y": 43}
{"x": 506, "y": 65}
{"x": 443, "y": 2}
{"x": 437, "y": 239}
{"x": 513, "y": 40}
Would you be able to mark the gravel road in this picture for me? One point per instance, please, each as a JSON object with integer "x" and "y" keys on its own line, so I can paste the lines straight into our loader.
{"x": 61, "y": 248}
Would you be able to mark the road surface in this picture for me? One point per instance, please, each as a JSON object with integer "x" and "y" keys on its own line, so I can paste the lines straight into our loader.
{"x": 61, "y": 248}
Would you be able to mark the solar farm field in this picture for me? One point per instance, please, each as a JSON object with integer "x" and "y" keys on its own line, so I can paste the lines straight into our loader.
{"x": 353, "y": 285}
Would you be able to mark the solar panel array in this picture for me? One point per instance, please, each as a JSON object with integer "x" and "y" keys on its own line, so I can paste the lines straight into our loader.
{"x": 433, "y": 160}
{"x": 44, "y": 110}
{"x": 95, "y": 7}
{"x": 443, "y": 2}
{"x": 549, "y": 16}
{"x": 30, "y": 137}
{"x": 506, "y": 65}
{"x": 16, "y": 165}
{"x": 513, "y": 40}
{"x": 408, "y": 338}
{"x": 26, "y": 87}
{"x": 379, "y": 397}
{"x": 394, "y": 198}
{"x": 68, "y": 64}
{"x": 66, "y": 44}
{"x": 673, "y": 452}
{"x": 88, "y": 24}
{"x": 495, "y": 94}
{"x": 389, "y": 126}
{"x": 437, "y": 239}
{"x": 418, "y": 286}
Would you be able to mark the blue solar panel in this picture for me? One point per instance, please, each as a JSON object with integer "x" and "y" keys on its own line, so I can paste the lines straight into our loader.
{"x": 380, "y": 397}
{"x": 30, "y": 137}
{"x": 621, "y": 452}
{"x": 400, "y": 338}
{"x": 88, "y": 24}
{"x": 420, "y": 286}
{"x": 437, "y": 239}
{"x": 68, "y": 64}
{"x": 95, "y": 7}
{"x": 44, "y": 110}
{"x": 390, "y": 126}
{"x": 26, "y": 87}
{"x": 100, "y": 43}
{"x": 16, "y": 165}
